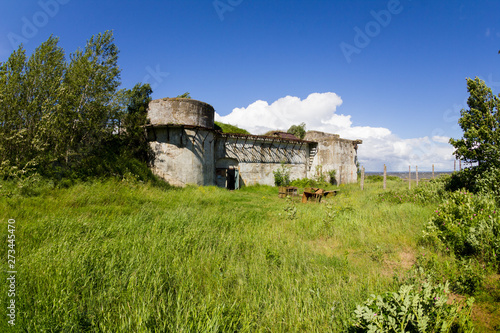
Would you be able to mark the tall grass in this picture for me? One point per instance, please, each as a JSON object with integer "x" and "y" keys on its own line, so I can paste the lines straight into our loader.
{"x": 115, "y": 256}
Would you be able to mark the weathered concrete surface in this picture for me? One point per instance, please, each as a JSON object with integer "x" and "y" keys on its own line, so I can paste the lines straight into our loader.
{"x": 334, "y": 153}
{"x": 183, "y": 156}
{"x": 257, "y": 159}
{"x": 181, "y": 111}
{"x": 189, "y": 151}
{"x": 262, "y": 173}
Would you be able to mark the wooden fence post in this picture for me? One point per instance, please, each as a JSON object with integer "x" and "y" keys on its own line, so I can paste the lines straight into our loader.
{"x": 385, "y": 176}
{"x": 433, "y": 171}
{"x": 409, "y": 177}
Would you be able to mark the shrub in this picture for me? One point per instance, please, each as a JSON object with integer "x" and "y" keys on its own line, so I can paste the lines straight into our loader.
{"x": 466, "y": 276}
{"x": 282, "y": 175}
{"x": 464, "y": 179}
{"x": 304, "y": 182}
{"x": 478, "y": 179}
{"x": 489, "y": 182}
{"x": 413, "y": 309}
{"x": 468, "y": 225}
{"x": 331, "y": 175}
{"x": 308, "y": 182}
{"x": 320, "y": 177}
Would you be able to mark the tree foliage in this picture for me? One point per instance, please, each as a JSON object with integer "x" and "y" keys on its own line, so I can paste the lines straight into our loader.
{"x": 58, "y": 115}
{"x": 480, "y": 142}
{"x": 132, "y": 119}
{"x": 298, "y": 130}
{"x": 481, "y": 126}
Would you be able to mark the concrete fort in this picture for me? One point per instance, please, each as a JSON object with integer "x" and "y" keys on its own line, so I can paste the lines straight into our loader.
{"x": 189, "y": 150}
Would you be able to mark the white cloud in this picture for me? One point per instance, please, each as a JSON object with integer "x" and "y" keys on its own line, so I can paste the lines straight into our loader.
{"x": 440, "y": 139}
{"x": 380, "y": 146}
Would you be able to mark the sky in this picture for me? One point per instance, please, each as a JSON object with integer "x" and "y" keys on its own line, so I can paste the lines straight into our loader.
{"x": 389, "y": 72}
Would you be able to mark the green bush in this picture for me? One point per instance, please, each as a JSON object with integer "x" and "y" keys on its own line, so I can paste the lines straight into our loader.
{"x": 477, "y": 179}
{"x": 413, "y": 309}
{"x": 466, "y": 276}
{"x": 468, "y": 225}
{"x": 331, "y": 176}
{"x": 308, "y": 182}
{"x": 282, "y": 176}
{"x": 458, "y": 180}
{"x": 489, "y": 182}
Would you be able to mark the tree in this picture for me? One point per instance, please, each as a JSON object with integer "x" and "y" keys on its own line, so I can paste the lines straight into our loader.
{"x": 134, "y": 119}
{"x": 30, "y": 91}
{"x": 90, "y": 82}
{"x": 58, "y": 116}
{"x": 481, "y": 125}
{"x": 298, "y": 130}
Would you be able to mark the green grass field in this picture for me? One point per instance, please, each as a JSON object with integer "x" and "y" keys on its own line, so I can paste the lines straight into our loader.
{"x": 130, "y": 257}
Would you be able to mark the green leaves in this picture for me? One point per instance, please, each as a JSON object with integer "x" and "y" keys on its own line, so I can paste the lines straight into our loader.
{"x": 55, "y": 113}
{"x": 282, "y": 175}
{"x": 481, "y": 124}
{"x": 298, "y": 130}
{"x": 412, "y": 309}
{"x": 467, "y": 224}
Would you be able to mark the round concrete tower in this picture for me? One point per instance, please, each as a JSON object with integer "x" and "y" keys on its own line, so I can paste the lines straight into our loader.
{"x": 181, "y": 111}
{"x": 181, "y": 135}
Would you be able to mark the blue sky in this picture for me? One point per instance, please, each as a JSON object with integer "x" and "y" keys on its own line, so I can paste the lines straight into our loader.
{"x": 391, "y": 73}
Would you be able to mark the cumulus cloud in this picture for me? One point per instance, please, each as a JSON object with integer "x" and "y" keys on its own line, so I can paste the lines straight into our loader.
{"x": 319, "y": 112}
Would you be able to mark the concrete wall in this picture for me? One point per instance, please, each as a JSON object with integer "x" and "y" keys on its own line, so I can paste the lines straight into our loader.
{"x": 181, "y": 111}
{"x": 188, "y": 150}
{"x": 183, "y": 156}
{"x": 334, "y": 153}
{"x": 258, "y": 159}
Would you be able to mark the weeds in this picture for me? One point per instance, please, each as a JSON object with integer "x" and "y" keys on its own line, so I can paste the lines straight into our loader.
{"x": 126, "y": 255}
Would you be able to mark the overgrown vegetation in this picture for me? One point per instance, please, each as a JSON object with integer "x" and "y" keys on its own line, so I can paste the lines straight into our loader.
{"x": 65, "y": 119}
{"x": 102, "y": 246}
{"x": 282, "y": 175}
{"x": 468, "y": 225}
{"x": 123, "y": 255}
{"x": 298, "y": 130}
{"x": 227, "y": 128}
{"x": 414, "y": 308}
{"x": 479, "y": 145}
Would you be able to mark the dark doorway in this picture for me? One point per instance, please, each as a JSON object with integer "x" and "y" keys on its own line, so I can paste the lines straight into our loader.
{"x": 231, "y": 179}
